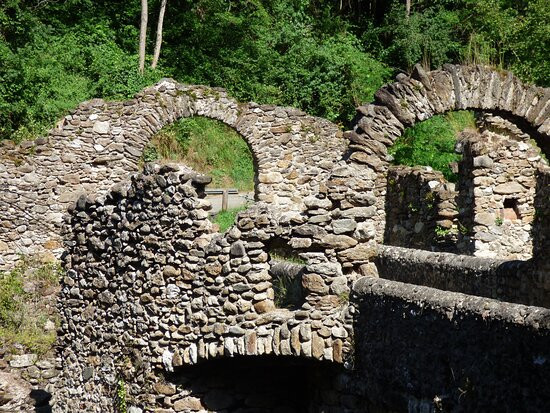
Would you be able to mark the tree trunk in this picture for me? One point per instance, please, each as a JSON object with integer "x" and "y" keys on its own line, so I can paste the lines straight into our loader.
{"x": 159, "y": 34}
{"x": 408, "y": 8}
{"x": 142, "y": 35}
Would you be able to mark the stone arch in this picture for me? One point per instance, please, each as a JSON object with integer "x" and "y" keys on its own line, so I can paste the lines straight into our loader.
{"x": 100, "y": 143}
{"x": 424, "y": 94}
{"x": 415, "y": 98}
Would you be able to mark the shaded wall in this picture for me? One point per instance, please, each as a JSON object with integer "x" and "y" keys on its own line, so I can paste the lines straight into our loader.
{"x": 424, "y": 350}
{"x": 420, "y": 209}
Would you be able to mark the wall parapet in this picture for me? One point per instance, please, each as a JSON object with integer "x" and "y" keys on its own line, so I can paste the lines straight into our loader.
{"x": 512, "y": 281}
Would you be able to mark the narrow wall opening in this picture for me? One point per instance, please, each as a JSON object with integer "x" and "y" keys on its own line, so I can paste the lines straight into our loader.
{"x": 286, "y": 270}
{"x": 510, "y": 209}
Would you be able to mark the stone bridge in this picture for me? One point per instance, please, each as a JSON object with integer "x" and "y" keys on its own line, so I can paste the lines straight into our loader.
{"x": 163, "y": 314}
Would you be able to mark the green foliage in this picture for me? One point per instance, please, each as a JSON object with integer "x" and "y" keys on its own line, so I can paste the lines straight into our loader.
{"x": 23, "y": 313}
{"x": 432, "y": 142}
{"x": 343, "y": 298}
{"x": 529, "y": 47}
{"x": 11, "y": 288}
{"x": 507, "y": 34}
{"x": 443, "y": 232}
{"x": 209, "y": 147}
{"x": 428, "y": 37}
{"x": 321, "y": 56}
{"x": 120, "y": 397}
{"x": 150, "y": 154}
{"x": 53, "y": 72}
{"x": 274, "y": 52}
{"x": 226, "y": 219}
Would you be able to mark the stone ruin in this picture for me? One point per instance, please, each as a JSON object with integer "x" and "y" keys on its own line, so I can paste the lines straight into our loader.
{"x": 490, "y": 210}
{"x": 162, "y": 314}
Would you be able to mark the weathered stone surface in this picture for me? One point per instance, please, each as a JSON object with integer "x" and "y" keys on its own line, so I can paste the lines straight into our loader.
{"x": 361, "y": 253}
{"x": 509, "y": 188}
{"x": 188, "y": 404}
{"x": 337, "y": 241}
{"x": 24, "y": 360}
{"x": 314, "y": 283}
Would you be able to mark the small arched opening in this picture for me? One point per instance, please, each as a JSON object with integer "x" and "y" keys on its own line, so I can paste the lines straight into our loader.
{"x": 213, "y": 148}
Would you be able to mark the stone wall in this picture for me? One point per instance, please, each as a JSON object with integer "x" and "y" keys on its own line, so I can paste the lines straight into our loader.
{"x": 150, "y": 288}
{"x": 421, "y": 349}
{"x": 27, "y": 382}
{"x": 101, "y": 143}
{"x": 497, "y": 185}
{"x": 421, "y": 209}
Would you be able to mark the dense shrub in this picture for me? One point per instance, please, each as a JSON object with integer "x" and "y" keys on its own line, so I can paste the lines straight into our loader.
{"x": 274, "y": 52}
{"x": 52, "y": 73}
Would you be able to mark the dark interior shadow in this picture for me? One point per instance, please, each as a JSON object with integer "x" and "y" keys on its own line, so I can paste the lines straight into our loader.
{"x": 540, "y": 229}
{"x": 41, "y": 400}
{"x": 260, "y": 384}
{"x": 465, "y": 198}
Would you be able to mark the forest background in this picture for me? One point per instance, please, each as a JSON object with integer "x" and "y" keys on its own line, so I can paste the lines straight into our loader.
{"x": 323, "y": 56}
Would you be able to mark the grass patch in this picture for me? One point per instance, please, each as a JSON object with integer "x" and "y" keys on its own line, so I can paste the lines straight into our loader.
{"x": 225, "y": 219}
{"x": 24, "y": 307}
{"x": 432, "y": 142}
{"x": 208, "y": 146}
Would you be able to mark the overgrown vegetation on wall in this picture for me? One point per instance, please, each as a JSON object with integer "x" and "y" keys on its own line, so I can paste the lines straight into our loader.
{"x": 27, "y": 305}
{"x": 432, "y": 142}
{"x": 207, "y": 146}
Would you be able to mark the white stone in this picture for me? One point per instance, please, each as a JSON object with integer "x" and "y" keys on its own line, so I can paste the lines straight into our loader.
{"x": 433, "y": 184}
{"x": 24, "y": 360}
{"x": 167, "y": 360}
{"x": 102, "y": 127}
{"x": 193, "y": 353}
{"x": 172, "y": 291}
